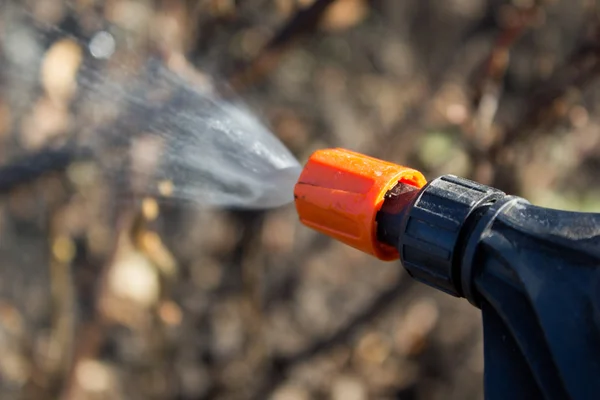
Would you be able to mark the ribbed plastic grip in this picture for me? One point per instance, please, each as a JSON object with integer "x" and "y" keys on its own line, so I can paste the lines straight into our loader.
{"x": 430, "y": 243}
{"x": 340, "y": 192}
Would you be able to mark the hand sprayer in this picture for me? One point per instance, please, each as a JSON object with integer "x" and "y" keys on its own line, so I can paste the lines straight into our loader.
{"x": 534, "y": 272}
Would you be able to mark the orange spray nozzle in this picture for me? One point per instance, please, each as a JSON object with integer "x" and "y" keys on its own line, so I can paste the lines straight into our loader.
{"x": 340, "y": 192}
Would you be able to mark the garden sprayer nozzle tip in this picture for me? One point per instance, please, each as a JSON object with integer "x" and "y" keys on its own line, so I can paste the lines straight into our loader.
{"x": 339, "y": 193}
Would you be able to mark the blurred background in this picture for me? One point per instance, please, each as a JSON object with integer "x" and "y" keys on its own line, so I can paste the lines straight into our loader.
{"x": 109, "y": 294}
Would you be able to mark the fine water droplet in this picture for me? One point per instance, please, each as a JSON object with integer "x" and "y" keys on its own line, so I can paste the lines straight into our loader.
{"x": 102, "y": 45}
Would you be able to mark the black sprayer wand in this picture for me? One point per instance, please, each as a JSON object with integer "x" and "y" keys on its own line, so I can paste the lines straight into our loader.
{"x": 534, "y": 272}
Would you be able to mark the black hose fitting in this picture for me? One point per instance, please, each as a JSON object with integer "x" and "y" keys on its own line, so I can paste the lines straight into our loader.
{"x": 429, "y": 230}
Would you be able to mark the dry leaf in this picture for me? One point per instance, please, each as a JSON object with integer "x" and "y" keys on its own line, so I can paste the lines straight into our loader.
{"x": 59, "y": 70}
{"x": 344, "y": 14}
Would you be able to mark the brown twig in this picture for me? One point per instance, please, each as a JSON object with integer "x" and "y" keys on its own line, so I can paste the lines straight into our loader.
{"x": 280, "y": 367}
{"x": 91, "y": 333}
{"x": 32, "y": 166}
{"x": 302, "y": 22}
{"x": 489, "y": 86}
{"x": 581, "y": 68}
{"x": 547, "y": 103}
{"x": 409, "y": 127}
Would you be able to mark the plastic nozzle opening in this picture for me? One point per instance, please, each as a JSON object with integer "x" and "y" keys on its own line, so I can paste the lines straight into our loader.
{"x": 340, "y": 192}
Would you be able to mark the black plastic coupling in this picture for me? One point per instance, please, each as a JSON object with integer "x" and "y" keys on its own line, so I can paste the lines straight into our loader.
{"x": 431, "y": 239}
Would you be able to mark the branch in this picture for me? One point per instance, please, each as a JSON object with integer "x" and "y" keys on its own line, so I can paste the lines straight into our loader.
{"x": 32, "y": 166}
{"x": 304, "y": 21}
{"x": 280, "y": 367}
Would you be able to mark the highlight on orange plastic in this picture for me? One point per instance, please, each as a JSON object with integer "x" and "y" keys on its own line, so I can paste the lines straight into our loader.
{"x": 340, "y": 192}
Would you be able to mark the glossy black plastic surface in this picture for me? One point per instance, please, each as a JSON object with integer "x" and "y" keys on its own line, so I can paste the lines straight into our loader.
{"x": 533, "y": 272}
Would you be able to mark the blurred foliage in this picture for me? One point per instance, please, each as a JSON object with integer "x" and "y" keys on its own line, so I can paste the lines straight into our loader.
{"x": 109, "y": 295}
